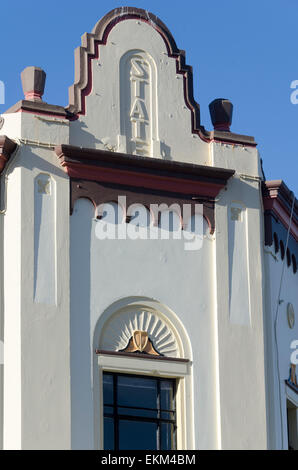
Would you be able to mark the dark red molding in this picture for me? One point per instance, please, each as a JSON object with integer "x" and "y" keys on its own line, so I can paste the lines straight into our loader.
{"x": 103, "y": 352}
{"x": 7, "y": 147}
{"x": 89, "y": 51}
{"x": 132, "y": 170}
{"x": 102, "y": 176}
{"x": 278, "y": 200}
{"x": 100, "y": 193}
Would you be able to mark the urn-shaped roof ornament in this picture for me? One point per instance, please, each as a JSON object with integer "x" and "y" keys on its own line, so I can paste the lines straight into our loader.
{"x": 221, "y": 111}
{"x": 33, "y": 83}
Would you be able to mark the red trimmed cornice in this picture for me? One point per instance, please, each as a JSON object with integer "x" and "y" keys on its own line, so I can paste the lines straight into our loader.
{"x": 103, "y": 176}
{"x": 7, "y": 147}
{"x": 150, "y": 173}
{"x": 278, "y": 199}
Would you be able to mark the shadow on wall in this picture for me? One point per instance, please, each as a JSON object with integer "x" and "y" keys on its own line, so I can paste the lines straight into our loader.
{"x": 79, "y": 135}
{"x": 165, "y": 151}
{"x": 82, "y": 414}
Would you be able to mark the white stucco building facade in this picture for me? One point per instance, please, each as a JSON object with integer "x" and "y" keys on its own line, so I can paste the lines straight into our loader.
{"x": 188, "y": 295}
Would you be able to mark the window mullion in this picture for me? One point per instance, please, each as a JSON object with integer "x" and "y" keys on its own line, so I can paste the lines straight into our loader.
{"x": 116, "y": 420}
{"x": 158, "y": 416}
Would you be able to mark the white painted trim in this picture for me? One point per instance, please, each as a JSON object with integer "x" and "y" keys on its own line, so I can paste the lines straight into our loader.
{"x": 144, "y": 366}
{"x": 175, "y": 369}
{"x": 161, "y": 368}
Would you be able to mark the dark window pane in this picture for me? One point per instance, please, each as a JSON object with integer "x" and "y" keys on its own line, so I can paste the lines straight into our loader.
{"x": 167, "y": 395}
{"x": 137, "y": 435}
{"x": 108, "y": 434}
{"x": 137, "y": 391}
{"x": 128, "y": 407}
{"x": 108, "y": 409}
{"x": 167, "y": 436}
{"x": 108, "y": 395}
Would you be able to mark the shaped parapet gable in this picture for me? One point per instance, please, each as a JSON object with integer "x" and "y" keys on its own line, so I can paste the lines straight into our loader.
{"x": 133, "y": 91}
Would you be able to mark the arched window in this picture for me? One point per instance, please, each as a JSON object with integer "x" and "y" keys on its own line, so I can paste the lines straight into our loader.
{"x": 144, "y": 363}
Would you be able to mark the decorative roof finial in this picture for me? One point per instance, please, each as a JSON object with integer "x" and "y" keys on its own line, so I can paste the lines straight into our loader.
{"x": 221, "y": 111}
{"x": 33, "y": 82}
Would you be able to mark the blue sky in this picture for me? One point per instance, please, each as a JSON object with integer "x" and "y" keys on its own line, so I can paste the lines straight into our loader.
{"x": 244, "y": 51}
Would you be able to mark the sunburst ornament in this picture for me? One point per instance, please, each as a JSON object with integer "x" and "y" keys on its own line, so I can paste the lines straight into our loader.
{"x": 136, "y": 330}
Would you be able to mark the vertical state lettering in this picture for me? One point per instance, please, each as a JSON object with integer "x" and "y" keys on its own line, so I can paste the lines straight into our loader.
{"x": 140, "y": 105}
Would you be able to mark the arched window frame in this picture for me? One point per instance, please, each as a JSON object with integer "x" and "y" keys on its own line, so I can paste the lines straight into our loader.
{"x": 179, "y": 368}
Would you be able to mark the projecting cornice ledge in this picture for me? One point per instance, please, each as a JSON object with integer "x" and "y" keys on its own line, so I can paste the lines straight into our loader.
{"x": 278, "y": 202}
{"x": 231, "y": 138}
{"x": 151, "y": 173}
{"x": 7, "y": 147}
{"x": 102, "y": 176}
{"x": 39, "y": 107}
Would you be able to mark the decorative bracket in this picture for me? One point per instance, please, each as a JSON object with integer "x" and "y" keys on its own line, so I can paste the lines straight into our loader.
{"x": 140, "y": 343}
